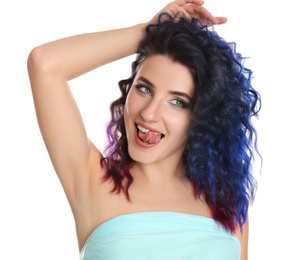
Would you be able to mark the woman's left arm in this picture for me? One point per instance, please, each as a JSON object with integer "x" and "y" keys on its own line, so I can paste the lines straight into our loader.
{"x": 243, "y": 238}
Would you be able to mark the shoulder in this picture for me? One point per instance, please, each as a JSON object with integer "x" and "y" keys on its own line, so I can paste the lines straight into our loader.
{"x": 243, "y": 234}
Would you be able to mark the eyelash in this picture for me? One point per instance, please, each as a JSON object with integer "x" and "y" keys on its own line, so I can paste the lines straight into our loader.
{"x": 182, "y": 104}
{"x": 140, "y": 87}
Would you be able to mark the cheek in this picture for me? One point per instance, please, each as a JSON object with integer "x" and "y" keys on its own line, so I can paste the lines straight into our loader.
{"x": 179, "y": 125}
{"x": 132, "y": 105}
{"x": 127, "y": 113}
{"x": 128, "y": 118}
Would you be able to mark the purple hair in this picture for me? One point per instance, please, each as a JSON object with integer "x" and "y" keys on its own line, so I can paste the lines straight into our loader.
{"x": 222, "y": 139}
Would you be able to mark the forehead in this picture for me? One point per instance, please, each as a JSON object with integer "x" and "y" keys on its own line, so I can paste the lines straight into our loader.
{"x": 163, "y": 72}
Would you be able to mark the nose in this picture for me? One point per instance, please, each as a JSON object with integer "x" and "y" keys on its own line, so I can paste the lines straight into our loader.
{"x": 152, "y": 111}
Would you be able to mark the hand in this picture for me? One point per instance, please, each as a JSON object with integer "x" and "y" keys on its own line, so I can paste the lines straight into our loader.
{"x": 191, "y": 8}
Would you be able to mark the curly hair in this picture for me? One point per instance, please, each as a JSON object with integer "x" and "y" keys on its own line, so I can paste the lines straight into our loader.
{"x": 222, "y": 140}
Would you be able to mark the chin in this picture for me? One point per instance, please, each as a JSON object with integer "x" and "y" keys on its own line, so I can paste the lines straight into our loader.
{"x": 141, "y": 156}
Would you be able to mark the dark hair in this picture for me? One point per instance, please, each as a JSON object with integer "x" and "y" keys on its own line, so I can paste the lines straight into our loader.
{"x": 222, "y": 140}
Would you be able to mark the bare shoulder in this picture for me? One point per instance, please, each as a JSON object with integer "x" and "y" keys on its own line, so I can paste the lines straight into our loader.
{"x": 243, "y": 236}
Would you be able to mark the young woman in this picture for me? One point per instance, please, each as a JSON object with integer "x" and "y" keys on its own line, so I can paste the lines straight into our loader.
{"x": 175, "y": 180}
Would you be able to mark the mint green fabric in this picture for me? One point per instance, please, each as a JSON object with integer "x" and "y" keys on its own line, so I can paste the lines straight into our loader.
{"x": 160, "y": 235}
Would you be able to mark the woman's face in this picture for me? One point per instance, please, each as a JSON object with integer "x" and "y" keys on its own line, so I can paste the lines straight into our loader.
{"x": 157, "y": 115}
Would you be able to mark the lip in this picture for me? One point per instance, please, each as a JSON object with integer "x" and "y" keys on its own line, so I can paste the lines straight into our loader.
{"x": 147, "y": 127}
{"x": 140, "y": 142}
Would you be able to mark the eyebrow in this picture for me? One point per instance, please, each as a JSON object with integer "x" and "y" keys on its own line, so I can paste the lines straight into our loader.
{"x": 177, "y": 93}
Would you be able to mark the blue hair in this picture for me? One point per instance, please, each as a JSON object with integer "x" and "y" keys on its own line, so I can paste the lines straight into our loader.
{"x": 222, "y": 140}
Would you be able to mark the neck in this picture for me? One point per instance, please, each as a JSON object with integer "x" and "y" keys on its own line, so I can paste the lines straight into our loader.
{"x": 159, "y": 174}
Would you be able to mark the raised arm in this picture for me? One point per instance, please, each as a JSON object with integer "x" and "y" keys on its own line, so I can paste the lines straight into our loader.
{"x": 50, "y": 67}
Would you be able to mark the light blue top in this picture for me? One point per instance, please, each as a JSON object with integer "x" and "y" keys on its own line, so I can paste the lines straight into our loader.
{"x": 160, "y": 235}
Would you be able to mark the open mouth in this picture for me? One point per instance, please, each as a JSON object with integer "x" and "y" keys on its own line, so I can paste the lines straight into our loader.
{"x": 148, "y": 136}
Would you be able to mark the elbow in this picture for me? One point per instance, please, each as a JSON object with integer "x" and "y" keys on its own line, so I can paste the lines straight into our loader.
{"x": 39, "y": 61}
{"x": 34, "y": 61}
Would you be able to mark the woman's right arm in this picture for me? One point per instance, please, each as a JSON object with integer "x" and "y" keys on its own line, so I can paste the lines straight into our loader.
{"x": 50, "y": 66}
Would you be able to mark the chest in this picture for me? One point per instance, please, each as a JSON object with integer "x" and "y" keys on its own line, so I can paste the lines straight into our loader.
{"x": 104, "y": 205}
{"x": 160, "y": 235}
{"x": 107, "y": 205}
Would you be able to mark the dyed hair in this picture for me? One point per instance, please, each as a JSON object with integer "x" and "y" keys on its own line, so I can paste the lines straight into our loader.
{"x": 222, "y": 139}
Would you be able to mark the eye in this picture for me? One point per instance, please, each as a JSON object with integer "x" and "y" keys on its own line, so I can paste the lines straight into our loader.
{"x": 179, "y": 103}
{"x": 143, "y": 89}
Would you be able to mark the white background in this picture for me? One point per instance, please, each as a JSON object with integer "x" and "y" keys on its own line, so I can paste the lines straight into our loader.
{"x": 35, "y": 219}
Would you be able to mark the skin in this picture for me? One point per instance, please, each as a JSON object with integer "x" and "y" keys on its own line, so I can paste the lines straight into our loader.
{"x": 155, "y": 105}
{"x": 77, "y": 163}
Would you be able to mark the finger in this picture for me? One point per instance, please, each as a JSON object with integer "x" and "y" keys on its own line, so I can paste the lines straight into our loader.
{"x": 221, "y": 20}
{"x": 185, "y": 2}
{"x": 203, "y": 14}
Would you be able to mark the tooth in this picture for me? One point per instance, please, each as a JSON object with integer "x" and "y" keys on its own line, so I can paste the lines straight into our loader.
{"x": 144, "y": 130}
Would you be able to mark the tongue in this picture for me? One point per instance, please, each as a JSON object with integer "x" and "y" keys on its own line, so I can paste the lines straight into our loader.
{"x": 149, "y": 137}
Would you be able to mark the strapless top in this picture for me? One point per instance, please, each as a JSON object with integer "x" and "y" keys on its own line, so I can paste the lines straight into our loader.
{"x": 160, "y": 235}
